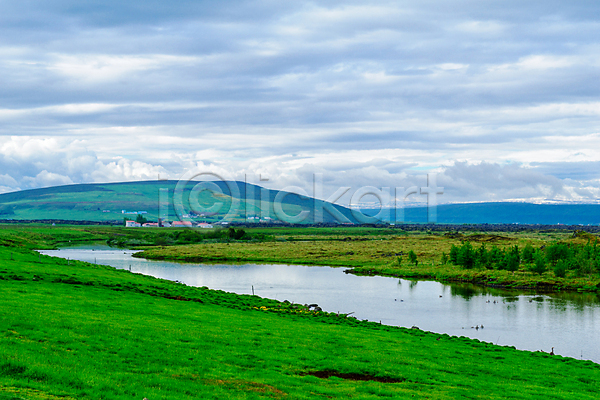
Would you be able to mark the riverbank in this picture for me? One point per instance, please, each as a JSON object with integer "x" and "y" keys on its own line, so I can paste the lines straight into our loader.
{"x": 522, "y": 280}
{"x": 77, "y": 330}
{"x": 385, "y": 254}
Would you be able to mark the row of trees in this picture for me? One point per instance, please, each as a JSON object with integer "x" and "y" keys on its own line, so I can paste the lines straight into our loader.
{"x": 187, "y": 236}
{"x": 165, "y": 237}
{"x": 559, "y": 257}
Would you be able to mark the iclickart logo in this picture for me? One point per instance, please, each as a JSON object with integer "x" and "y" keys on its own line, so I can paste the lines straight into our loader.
{"x": 261, "y": 204}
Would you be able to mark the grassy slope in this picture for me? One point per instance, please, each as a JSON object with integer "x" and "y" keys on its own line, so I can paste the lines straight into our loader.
{"x": 86, "y": 202}
{"x": 372, "y": 251}
{"x": 77, "y": 330}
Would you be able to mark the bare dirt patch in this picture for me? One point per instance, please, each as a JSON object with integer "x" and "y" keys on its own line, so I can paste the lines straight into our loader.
{"x": 354, "y": 376}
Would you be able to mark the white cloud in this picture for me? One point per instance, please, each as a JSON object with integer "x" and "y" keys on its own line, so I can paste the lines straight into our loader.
{"x": 371, "y": 93}
{"x": 45, "y": 178}
{"x": 537, "y": 62}
{"x": 7, "y": 182}
{"x": 102, "y": 68}
{"x": 482, "y": 27}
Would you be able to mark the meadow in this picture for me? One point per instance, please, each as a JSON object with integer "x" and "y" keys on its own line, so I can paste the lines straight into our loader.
{"x": 74, "y": 330}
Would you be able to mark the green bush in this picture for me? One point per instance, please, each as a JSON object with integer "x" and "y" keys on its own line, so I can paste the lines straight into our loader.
{"x": 454, "y": 254}
{"x": 466, "y": 255}
{"x": 528, "y": 253}
{"x": 560, "y": 269}
{"x": 539, "y": 262}
{"x": 412, "y": 257}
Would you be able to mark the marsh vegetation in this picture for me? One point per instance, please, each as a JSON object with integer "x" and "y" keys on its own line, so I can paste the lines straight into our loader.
{"x": 555, "y": 260}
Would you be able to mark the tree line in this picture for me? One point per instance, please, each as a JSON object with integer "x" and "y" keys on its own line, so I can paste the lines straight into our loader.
{"x": 559, "y": 257}
{"x": 165, "y": 237}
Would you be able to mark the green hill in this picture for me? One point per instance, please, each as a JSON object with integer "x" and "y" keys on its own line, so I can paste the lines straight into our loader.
{"x": 114, "y": 201}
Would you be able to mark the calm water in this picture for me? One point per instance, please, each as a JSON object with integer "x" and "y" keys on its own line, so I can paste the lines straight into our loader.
{"x": 568, "y": 322}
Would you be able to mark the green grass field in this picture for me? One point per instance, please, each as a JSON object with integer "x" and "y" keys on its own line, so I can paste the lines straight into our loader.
{"x": 73, "y": 330}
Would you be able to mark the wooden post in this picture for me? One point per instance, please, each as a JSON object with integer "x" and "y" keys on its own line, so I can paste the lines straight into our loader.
{"x": 252, "y": 290}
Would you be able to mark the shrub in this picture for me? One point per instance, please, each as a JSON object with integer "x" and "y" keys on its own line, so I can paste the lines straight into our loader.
{"x": 161, "y": 241}
{"x": 237, "y": 235}
{"x": 509, "y": 262}
{"x": 528, "y": 254}
{"x": 482, "y": 257}
{"x": 560, "y": 269}
{"x": 466, "y": 255}
{"x": 583, "y": 264}
{"x": 412, "y": 257}
{"x": 454, "y": 254}
{"x": 558, "y": 251}
{"x": 495, "y": 255}
{"x": 539, "y": 263}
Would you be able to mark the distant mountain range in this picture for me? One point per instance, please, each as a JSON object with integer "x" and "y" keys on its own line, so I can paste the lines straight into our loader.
{"x": 510, "y": 213}
{"x": 116, "y": 201}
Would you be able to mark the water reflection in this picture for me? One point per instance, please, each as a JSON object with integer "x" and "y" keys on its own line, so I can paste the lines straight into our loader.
{"x": 569, "y": 322}
{"x": 465, "y": 291}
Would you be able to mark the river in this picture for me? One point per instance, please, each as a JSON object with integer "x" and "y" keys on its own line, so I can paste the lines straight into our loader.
{"x": 569, "y": 322}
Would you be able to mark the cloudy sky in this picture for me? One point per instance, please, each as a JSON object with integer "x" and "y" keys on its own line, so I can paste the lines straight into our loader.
{"x": 499, "y": 98}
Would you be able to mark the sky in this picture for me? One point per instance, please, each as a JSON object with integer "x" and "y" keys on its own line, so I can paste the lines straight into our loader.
{"x": 500, "y": 99}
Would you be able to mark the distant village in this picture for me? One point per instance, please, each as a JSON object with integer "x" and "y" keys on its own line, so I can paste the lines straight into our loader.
{"x": 131, "y": 223}
{"x": 174, "y": 224}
